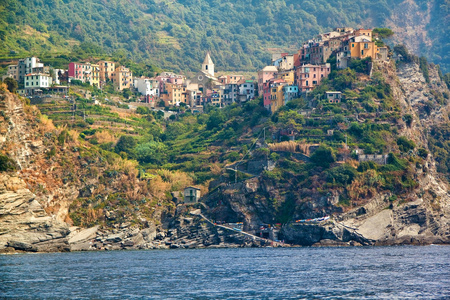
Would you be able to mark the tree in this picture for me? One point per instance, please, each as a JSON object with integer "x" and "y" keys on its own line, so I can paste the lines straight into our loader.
{"x": 152, "y": 152}
{"x": 404, "y": 144}
{"x": 323, "y": 156}
{"x": 11, "y": 84}
{"x": 125, "y": 144}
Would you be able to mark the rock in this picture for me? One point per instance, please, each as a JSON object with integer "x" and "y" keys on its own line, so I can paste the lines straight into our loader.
{"x": 174, "y": 246}
{"x": 114, "y": 238}
{"x": 83, "y": 235}
{"x": 23, "y": 246}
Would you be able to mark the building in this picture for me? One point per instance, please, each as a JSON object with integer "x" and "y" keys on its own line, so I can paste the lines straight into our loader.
{"x": 309, "y": 76}
{"x": 283, "y": 61}
{"x": 208, "y": 65}
{"x": 266, "y": 74}
{"x": 191, "y": 195}
{"x": 147, "y": 86}
{"x": 173, "y": 94}
{"x": 333, "y": 97}
{"x": 230, "y": 93}
{"x": 246, "y": 90}
{"x": 288, "y": 76}
{"x": 35, "y": 82}
{"x": 26, "y": 65}
{"x": 106, "y": 71}
{"x": 13, "y": 72}
{"x": 290, "y": 92}
{"x": 230, "y": 79}
{"x": 122, "y": 78}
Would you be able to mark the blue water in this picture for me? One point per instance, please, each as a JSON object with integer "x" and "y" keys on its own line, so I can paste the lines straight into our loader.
{"x": 263, "y": 273}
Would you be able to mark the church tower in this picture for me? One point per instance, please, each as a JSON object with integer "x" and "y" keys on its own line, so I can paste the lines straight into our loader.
{"x": 208, "y": 65}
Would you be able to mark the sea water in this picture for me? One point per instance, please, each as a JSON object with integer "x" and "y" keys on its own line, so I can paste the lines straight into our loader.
{"x": 404, "y": 272}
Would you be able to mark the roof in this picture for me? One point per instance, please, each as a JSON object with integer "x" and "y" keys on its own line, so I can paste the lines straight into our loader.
{"x": 208, "y": 60}
{"x": 333, "y": 92}
{"x": 192, "y": 187}
{"x": 270, "y": 69}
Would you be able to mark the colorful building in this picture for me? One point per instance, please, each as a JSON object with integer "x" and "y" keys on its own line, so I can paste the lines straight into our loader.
{"x": 122, "y": 78}
{"x": 266, "y": 74}
{"x": 309, "y": 76}
{"x": 107, "y": 69}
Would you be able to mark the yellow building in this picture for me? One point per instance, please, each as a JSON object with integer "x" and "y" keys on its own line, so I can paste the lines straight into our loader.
{"x": 107, "y": 69}
{"x": 362, "y": 47}
{"x": 288, "y": 76}
{"x": 122, "y": 78}
{"x": 174, "y": 94}
{"x": 95, "y": 75}
{"x": 276, "y": 97}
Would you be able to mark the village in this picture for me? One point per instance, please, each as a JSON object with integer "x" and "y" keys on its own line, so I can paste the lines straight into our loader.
{"x": 289, "y": 76}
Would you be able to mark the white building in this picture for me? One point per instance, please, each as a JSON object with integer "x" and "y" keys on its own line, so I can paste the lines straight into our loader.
{"x": 208, "y": 65}
{"x": 26, "y": 66}
{"x": 37, "y": 81}
{"x": 246, "y": 90}
{"x": 147, "y": 86}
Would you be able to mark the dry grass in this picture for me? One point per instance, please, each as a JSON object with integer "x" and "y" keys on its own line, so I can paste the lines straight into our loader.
{"x": 45, "y": 125}
{"x": 105, "y": 137}
{"x": 291, "y": 146}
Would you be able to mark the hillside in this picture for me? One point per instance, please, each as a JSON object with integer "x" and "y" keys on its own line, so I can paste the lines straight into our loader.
{"x": 118, "y": 171}
{"x": 241, "y": 35}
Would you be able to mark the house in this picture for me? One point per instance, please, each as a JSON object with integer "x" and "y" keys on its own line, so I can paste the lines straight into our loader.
{"x": 276, "y": 96}
{"x": 191, "y": 195}
{"x": 122, "y": 78}
{"x": 309, "y": 76}
{"x": 106, "y": 70}
{"x": 269, "y": 94}
{"x": 25, "y": 66}
{"x": 246, "y": 90}
{"x": 288, "y": 76}
{"x": 147, "y": 86}
{"x": 266, "y": 74}
{"x": 290, "y": 92}
{"x": 35, "y": 82}
{"x": 230, "y": 94}
{"x": 333, "y": 97}
{"x": 230, "y": 79}
{"x": 283, "y": 61}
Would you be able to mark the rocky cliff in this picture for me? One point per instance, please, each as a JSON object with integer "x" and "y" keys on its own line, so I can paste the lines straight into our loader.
{"x": 418, "y": 216}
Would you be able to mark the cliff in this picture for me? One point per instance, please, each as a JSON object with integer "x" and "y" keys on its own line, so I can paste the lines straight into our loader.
{"x": 417, "y": 215}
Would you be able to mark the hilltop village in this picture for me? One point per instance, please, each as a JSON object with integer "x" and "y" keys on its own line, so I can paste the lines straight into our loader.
{"x": 288, "y": 77}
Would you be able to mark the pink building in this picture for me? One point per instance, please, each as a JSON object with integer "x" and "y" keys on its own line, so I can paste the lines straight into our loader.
{"x": 76, "y": 71}
{"x": 267, "y": 90}
{"x": 308, "y": 76}
{"x": 167, "y": 77}
{"x": 264, "y": 76}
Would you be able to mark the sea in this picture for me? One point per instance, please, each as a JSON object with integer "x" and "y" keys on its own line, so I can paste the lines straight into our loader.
{"x": 403, "y": 272}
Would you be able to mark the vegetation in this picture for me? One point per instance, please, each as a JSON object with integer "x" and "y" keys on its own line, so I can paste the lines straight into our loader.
{"x": 175, "y": 34}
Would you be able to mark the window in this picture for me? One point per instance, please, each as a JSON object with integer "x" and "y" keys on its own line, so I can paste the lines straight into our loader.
{"x": 353, "y": 45}
{"x": 362, "y": 52}
{"x": 366, "y": 46}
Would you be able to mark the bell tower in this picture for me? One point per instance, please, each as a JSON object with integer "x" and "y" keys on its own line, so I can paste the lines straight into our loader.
{"x": 208, "y": 65}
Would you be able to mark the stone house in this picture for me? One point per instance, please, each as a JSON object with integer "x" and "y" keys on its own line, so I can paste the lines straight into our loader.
{"x": 191, "y": 195}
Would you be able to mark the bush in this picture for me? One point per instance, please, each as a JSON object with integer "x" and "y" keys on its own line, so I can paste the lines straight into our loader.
{"x": 7, "y": 164}
{"x": 404, "y": 144}
{"x": 125, "y": 144}
{"x": 323, "y": 156}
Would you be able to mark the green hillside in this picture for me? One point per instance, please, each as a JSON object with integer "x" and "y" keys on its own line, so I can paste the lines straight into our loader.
{"x": 175, "y": 34}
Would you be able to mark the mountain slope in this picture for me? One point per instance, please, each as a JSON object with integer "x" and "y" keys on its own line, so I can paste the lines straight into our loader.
{"x": 175, "y": 34}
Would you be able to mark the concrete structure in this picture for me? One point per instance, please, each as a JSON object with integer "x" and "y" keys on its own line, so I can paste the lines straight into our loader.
{"x": 13, "y": 72}
{"x": 309, "y": 76}
{"x": 333, "y": 97}
{"x": 191, "y": 195}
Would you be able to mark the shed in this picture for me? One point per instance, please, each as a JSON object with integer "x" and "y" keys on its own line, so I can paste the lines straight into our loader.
{"x": 191, "y": 195}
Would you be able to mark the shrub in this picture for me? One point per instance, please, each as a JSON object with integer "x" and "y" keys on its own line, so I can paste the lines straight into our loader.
{"x": 7, "y": 164}
{"x": 404, "y": 144}
{"x": 323, "y": 156}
